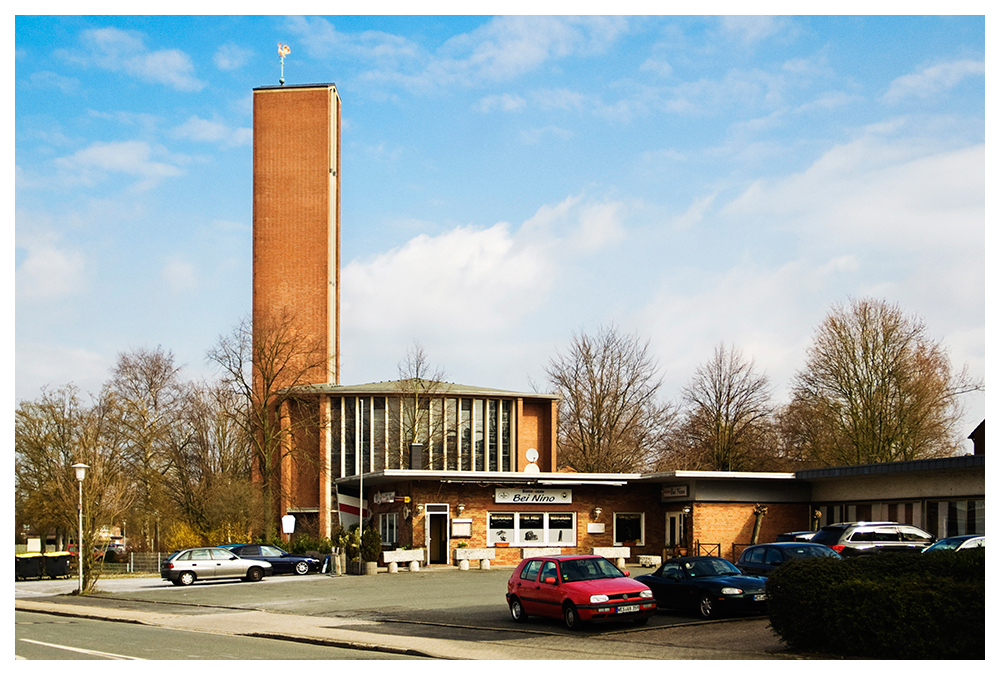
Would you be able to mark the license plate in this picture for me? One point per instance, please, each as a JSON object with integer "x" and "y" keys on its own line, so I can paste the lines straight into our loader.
{"x": 628, "y": 608}
{"x": 759, "y": 597}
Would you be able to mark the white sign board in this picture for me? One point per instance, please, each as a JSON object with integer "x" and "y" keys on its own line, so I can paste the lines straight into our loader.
{"x": 539, "y": 496}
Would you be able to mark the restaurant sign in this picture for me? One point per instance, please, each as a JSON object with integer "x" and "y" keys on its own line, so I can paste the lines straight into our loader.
{"x": 540, "y": 496}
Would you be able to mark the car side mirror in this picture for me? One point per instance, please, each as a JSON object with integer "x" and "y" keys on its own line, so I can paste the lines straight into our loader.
{"x": 549, "y": 580}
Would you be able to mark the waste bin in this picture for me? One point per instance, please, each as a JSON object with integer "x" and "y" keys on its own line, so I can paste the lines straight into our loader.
{"x": 27, "y": 565}
{"x": 57, "y": 564}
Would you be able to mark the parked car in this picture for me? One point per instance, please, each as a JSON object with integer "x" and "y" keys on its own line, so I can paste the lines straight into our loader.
{"x": 281, "y": 561}
{"x": 183, "y": 568}
{"x": 577, "y": 588}
{"x": 865, "y": 538}
{"x": 712, "y": 586}
{"x": 959, "y": 543}
{"x": 762, "y": 559}
{"x": 802, "y": 535}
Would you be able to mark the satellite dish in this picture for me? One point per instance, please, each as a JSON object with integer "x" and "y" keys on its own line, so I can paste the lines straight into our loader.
{"x": 532, "y": 455}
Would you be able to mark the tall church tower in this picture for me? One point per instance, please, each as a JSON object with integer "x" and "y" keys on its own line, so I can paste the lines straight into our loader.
{"x": 296, "y": 213}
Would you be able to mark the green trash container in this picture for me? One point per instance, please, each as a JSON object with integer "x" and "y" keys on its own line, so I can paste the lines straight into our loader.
{"x": 27, "y": 565}
{"x": 57, "y": 564}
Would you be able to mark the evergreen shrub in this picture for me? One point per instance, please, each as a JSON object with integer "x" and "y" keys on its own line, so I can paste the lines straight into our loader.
{"x": 887, "y": 606}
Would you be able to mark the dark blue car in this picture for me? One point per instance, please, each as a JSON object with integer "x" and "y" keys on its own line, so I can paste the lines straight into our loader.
{"x": 709, "y": 585}
{"x": 281, "y": 561}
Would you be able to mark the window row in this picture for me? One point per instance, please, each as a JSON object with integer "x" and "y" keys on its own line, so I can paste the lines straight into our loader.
{"x": 374, "y": 433}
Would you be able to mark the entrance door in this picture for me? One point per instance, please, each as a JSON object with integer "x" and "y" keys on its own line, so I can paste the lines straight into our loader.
{"x": 436, "y": 533}
{"x": 674, "y": 536}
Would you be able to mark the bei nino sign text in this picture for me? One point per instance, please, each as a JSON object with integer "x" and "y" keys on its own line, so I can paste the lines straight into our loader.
{"x": 541, "y": 496}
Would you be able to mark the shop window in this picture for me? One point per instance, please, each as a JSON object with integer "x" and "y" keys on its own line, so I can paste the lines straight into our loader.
{"x": 531, "y": 529}
{"x": 387, "y": 526}
{"x": 628, "y": 529}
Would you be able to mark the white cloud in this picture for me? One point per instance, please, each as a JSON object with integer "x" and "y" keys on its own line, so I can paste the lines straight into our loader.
{"x": 50, "y": 271}
{"x": 212, "y": 131}
{"x": 179, "y": 275}
{"x": 231, "y": 56}
{"x": 125, "y": 51}
{"x": 498, "y": 51}
{"x": 505, "y": 102}
{"x": 749, "y": 30}
{"x": 43, "y": 365}
{"x": 873, "y": 192}
{"x": 467, "y": 280}
{"x": 46, "y": 79}
{"x": 92, "y": 164}
{"x": 933, "y": 80}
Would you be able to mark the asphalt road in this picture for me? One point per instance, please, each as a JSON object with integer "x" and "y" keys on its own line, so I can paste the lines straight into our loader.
{"x": 45, "y": 637}
{"x": 446, "y": 612}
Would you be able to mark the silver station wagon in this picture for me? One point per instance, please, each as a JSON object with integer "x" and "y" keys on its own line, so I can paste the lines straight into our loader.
{"x": 185, "y": 567}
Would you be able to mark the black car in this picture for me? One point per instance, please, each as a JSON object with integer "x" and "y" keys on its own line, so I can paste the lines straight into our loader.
{"x": 281, "y": 561}
{"x": 710, "y": 585}
{"x": 762, "y": 559}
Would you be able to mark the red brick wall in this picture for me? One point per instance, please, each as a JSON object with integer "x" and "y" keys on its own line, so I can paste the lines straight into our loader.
{"x": 732, "y": 523}
{"x": 534, "y": 430}
{"x": 296, "y": 237}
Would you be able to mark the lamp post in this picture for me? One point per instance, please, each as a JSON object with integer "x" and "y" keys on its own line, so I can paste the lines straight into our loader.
{"x": 81, "y": 473}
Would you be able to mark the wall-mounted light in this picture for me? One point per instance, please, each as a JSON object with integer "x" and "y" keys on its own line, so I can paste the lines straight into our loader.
{"x": 461, "y": 509}
{"x": 595, "y": 513}
{"x": 406, "y": 511}
{"x": 687, "y": 510}
{"x": 420, "y": 510}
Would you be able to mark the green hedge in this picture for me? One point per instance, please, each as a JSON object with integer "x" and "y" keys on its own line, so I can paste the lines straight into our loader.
{"x": 891, "y": 606}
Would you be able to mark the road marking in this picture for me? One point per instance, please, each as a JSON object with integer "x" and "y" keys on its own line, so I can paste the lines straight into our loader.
{"x": 116, "y": 657}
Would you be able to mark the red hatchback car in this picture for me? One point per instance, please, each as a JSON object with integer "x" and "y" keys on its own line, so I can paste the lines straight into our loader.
{"x": 577, "y": 588}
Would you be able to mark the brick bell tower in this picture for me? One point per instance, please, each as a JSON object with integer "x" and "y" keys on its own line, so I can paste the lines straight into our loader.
{"x": 296, "y": 271}
{"x": 296, "y": 212}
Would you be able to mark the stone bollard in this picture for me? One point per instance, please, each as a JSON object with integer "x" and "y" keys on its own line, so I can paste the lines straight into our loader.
{"x": 414, "y": 566}
{"x": 463, "y": 564}
{"x": 620, "y": 563}
{"x": 393, "y": 568}
{"x": 484, "y": 564}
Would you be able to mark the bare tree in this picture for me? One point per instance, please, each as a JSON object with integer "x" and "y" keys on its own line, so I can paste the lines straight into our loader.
{"x": 209, "y": 481}
{"x": 149, "y": 398}
{"x": 727, "y": 422}
{"x": 50, "y": 435}
{"x": 875, "y": 388}
{"x": 266, "y": 364}
{"x": 421, "y": 386}
{"x": 610, "y": 419}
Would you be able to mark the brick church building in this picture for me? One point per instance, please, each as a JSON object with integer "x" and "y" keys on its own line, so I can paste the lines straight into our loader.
{"x": 441, "y": 467}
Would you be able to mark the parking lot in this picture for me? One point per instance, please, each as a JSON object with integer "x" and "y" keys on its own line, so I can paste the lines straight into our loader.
{"x": 465, "y": 609}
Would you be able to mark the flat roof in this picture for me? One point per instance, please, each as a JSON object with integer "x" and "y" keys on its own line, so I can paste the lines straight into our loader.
{"x": 547, "y": 479}
{"x": 938, "y": 464}
{"x": 449, "y": 389}
{"x": 326, "y": 85}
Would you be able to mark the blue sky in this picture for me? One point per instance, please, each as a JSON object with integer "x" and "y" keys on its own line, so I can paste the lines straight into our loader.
{"x": 507, "y": 181}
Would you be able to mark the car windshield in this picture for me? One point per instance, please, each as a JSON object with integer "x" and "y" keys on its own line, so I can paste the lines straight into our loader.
{"x": 272, "y": 551}
{"x": 948, "y": 544}
{"x": 709, "y": 567}
{"x": 586, "y": 569}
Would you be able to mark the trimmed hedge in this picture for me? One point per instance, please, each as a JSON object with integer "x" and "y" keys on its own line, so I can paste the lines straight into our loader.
{"x": 887, "y": 606}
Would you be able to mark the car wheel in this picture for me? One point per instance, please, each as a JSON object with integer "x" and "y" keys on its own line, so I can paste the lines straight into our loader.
{"x": 571, "y": 617}
{"x": 255, "y": 574}
{"x": 186, "y": 578}
{"x": 706, "y": 607}
{"x": 302, "y": 567}
{"x": 517, "y": 610}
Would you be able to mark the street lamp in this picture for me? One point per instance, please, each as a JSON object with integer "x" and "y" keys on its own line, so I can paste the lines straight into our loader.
{"x": 81, "y": 473}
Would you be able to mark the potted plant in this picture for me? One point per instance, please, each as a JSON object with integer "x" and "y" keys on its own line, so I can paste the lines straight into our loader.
{"x": 371, "y": 549}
